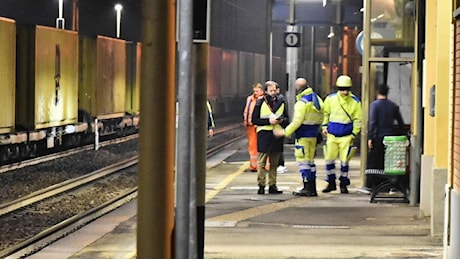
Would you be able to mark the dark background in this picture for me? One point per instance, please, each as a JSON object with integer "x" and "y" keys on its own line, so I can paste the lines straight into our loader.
{"x": 235, "y": 24}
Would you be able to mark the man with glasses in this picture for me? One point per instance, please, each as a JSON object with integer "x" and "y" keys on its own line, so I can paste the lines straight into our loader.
{"x": 341, "y": 124}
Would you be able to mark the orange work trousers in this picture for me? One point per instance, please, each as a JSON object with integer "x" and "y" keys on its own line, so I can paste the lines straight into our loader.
{"x": 251, "y": 133}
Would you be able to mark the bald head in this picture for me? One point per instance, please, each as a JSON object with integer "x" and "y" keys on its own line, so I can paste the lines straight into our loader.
{"x": 300, "y": 84}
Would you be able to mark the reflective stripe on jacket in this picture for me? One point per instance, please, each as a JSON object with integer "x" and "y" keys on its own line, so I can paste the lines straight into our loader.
{"x": 211, "y": 123}
{"x": 336, "y": 119}
{"x": 308, "y": 115}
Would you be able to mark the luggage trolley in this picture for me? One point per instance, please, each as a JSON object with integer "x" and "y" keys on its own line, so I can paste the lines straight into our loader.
{"x": 396, "y": 169}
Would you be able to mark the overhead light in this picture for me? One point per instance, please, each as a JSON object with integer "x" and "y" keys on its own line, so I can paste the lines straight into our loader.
{"x": 331, "y": 33}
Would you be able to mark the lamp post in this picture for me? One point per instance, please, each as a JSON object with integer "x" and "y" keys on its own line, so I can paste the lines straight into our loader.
{"x": 118, "y": 8}
{"x": 60, "y": 20}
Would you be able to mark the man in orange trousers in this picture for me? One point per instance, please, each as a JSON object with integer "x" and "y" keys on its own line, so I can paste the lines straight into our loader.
{"x": 258, "y": 92}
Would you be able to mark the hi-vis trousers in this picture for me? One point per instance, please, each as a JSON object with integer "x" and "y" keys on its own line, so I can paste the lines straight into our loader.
{"x": 305, "y": 149}
{"x": 337, "y": 146}
{"x": 251, "y": 133}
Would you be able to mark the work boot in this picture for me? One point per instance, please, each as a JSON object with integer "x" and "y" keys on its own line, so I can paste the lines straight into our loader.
{"x": 274, "y": 190}
{"x": 308, "y": 190}
{"x": 313, "y": 187}
{"x": 330, "y": 187}
{"x": 343, "y": 188}
{"x": 261, "y": 190}
{"x": 344, "y": 182}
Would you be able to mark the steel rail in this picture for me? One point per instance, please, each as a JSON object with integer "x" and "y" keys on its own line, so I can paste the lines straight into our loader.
{"x": 48, "y": 236}
{"x": 218, "y": 148}
{"x": 53, "y": 156}
{"x": 61, "y": 229}
{"x": 65, "y": 186}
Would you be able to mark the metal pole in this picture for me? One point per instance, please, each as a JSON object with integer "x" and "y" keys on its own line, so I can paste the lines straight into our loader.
{"x": 331, "y": 56}
{"x": 184, "y": 145}
{"x": 155, "y": 218}
{"x": 96, "y": 135}
{"x": 365, "y": 85}
{"x": 268, "y": 40}
{"x": 313, "y": 61}
{"x": 60, "y": 20}
{"x": 75, "y": 15}
{"x": 291, "y": 61}
{"x": 200, "y": 81}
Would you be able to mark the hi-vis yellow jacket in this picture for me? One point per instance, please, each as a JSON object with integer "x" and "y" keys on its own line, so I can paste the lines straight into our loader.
{"x": 308, "y": 115}
{"x": 342, "y": 115}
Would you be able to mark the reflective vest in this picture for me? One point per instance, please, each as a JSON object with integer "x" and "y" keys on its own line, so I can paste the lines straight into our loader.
{"x": 248, "y": 109}
{"x": 266, "y": 112}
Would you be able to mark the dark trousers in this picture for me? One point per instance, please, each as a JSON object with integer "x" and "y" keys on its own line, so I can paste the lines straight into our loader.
{"x": 281, "y": 160}
{"x": 375, "y": 161}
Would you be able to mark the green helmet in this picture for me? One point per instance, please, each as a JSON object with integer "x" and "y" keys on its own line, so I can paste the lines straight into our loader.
{"x": 343, "y": 81}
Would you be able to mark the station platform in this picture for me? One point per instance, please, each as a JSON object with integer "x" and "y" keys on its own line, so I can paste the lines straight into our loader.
{"x": 242, "y": 224}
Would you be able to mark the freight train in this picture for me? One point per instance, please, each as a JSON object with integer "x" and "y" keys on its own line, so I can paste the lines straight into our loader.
{"x": 59, "y": 88}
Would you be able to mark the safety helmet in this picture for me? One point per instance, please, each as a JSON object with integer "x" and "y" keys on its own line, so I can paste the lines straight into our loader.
{"x": 344, "y": 82}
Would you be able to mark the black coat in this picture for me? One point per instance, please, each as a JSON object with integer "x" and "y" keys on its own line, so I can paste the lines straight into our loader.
{"x": 266, "y": 141}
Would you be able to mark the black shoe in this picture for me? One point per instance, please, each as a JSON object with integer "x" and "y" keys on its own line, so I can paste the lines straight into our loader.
{"x": 261, "y": 190}
{"x": 274, "y": 190}
{"x": 330, "y": 187}
{"x": 309, "y": 190}
{"x": 343, "y": 188}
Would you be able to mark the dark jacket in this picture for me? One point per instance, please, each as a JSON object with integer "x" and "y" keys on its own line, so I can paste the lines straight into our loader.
{"x": 266, "y": 141}
{"x": 382, "y": 116}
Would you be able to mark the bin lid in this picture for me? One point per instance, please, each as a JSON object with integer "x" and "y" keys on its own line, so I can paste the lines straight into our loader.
{"x": 395, "y": 138}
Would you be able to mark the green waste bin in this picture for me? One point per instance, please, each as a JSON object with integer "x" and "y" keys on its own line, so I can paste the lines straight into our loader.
{"x": 395, "y": 154}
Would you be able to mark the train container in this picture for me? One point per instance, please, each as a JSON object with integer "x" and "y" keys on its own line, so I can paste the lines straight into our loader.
{"x": 47, "y": 85}
{"x": 7, "y": 74}
{"x": 133, "y": 75}
{"x": 246, "y": 72}
{"x": 102, "y": 82}
{"x": 11, "y": 141}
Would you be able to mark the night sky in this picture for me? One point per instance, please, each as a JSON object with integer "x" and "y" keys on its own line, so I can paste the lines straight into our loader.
{"x": 96, "y": 16}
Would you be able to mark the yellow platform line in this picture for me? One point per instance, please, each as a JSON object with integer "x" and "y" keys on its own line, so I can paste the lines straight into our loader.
{"x": 219, "y": 187}
{"x": 261, "y": 210}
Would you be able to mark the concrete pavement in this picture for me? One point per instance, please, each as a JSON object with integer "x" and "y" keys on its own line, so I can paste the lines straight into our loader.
{"x": 242, "y": 224}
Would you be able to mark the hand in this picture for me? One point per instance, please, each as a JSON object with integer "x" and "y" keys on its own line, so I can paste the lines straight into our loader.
{"x": 211, "y": 132}
{"x": 274, "y": 121}
{"x": 325, "y": 132}
{"x": 369, "y": 144}
{"x": 278, "y": 132}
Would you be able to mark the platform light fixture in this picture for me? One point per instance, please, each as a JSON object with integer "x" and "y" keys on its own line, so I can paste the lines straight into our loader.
{"x": 60, "y": 20}
{"x": 118, "y": 8}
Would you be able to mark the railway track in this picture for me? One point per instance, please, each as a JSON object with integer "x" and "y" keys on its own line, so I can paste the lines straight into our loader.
{"x": 54, "y": 156}
{"x": 51, "y": 234}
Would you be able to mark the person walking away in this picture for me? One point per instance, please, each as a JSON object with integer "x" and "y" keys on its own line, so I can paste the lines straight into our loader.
{"x": 211, "y": 124}
{"x": 382, "y": 115}
{"x": 306, "y": 123}
{"x": 269, "y": 113}
{"x": 281, "y": 167}
{"x": 341, "y": 124}
{"x": 251, "y": 131}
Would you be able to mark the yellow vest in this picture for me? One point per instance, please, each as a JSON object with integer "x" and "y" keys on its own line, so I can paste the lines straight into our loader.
{"x": 266, "y": 113}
